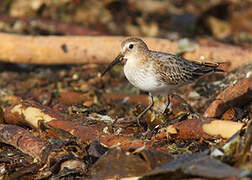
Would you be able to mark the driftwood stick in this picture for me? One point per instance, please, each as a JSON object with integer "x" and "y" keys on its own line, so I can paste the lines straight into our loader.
{"x": 102, "y": 49}
{"x": 22, "y": 140}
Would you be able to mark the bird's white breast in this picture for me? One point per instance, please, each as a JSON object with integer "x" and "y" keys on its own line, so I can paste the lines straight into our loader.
{"x": 144, "y": 77}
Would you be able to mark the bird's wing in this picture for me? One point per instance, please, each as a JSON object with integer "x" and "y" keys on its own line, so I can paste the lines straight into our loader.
{"x": 177, "y": 70}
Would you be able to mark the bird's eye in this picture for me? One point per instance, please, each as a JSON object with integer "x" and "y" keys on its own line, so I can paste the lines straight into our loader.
{"x": 131, "y": 46}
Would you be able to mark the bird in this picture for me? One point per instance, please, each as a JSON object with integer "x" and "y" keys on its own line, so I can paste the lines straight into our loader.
{"x": 158, "y": 73}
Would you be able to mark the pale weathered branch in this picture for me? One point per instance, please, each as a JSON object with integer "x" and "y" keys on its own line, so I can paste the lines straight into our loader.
{"x": 102, "y": 49}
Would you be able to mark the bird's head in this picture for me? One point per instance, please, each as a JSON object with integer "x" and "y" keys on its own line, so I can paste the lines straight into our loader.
{"x": 130, "y": 49}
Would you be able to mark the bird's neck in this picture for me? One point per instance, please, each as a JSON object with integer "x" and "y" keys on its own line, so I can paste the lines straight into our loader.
{"x": 136, "y": 60}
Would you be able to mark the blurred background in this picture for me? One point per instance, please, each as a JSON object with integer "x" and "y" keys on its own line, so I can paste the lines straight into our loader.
{"x": 228, "y": 21}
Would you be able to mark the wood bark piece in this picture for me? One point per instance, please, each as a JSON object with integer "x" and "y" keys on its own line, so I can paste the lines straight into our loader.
{"x": 224, "y": 129}
{"x": 238, "y": 94}
{"x": 85, "y": 134}
{"x": 72, "y": 97}
{"x": 103, "y": 49}
{"x": 204, "y": 129}
{"x": 111, "y": 140}
{"x": 30, "y": 113}
{"x": 22, "y": 140}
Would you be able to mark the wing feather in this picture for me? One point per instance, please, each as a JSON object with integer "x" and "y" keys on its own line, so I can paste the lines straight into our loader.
{"x": 177, "y": 70}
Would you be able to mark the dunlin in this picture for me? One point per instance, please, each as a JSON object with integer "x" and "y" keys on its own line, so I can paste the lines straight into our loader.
{"x": 157, "y": 72}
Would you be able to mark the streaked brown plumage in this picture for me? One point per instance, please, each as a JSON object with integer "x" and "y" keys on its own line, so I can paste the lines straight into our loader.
{"x": 157, "y": 72}
{"x": 177, "y": 70}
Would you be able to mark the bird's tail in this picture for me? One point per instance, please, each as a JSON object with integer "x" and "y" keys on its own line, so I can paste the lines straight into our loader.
{"x": 206, "y": 68}
{"x": 212, "y": 65}
{"x": 216, "y": 66}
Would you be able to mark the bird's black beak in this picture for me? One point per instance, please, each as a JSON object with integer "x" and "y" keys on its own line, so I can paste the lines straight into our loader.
{"x": 117, "y": 60}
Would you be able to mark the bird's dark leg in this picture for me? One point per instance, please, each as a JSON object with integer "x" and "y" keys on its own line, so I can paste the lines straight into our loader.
{"x": 145, "y": 110}
{"x": 167, "y": 103}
